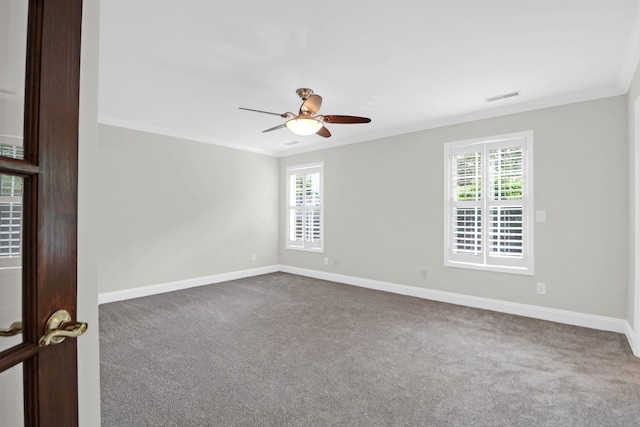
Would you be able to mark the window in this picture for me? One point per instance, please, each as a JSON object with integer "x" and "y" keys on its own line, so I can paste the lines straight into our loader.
{"x": 305, "y": 207}
{"x": 489, "y": 204}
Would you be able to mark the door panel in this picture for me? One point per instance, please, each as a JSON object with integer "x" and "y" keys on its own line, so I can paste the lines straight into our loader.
{"x": 11, "y": 198}
{"x": 47, "y": 170}
{"x": 10, "y": 305}
{"x": 13, "y": 45}
{"x": 11, "y": 401}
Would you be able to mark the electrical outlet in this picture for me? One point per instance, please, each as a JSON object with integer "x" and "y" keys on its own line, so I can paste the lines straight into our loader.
{"x": 541, "y": 288}
{"x": 423, "y": 274}
{"x": 326, "y": 260}
{"x": 254, "y": 257}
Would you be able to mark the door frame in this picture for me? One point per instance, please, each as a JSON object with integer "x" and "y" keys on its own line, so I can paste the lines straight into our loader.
{"x": 636, "y": 261}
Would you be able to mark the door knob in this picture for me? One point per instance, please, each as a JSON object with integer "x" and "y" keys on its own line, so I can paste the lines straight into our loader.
{"x": 14, "y": 329}
{"x": 59, "y": 326}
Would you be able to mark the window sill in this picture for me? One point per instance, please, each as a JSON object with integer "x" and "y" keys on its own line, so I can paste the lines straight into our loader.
{"x": 523, "y": 271}
{"x": 297, "y": 248}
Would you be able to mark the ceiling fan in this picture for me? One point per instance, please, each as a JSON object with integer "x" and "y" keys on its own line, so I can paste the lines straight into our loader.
{"x": 307, "y": 122}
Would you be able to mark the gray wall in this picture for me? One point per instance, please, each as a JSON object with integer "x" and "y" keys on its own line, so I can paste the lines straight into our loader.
{"x": 172, "y": 209}
{"x": 195, "y": 209}
{"x": 384, "y": 209}
{"x": 632, "y": 96}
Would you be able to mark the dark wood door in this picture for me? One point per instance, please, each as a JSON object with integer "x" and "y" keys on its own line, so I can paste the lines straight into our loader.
{"x": 47, "y": 171}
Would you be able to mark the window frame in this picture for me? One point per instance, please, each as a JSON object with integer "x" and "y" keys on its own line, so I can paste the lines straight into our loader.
{"x": 309, "y": 168}
{"x": 485, "y": 261}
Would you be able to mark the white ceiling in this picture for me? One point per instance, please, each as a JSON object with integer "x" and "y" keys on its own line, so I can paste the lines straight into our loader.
{"x": 183, "y": 68}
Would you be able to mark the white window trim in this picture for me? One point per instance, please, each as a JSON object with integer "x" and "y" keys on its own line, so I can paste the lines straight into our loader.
{"x": 527, "y": 267}
{"x": 290, "y": 170}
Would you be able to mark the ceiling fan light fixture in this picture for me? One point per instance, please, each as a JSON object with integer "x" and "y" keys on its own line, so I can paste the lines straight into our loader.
{"x": 307, "y": 122}
{"x": 303, "y": 126}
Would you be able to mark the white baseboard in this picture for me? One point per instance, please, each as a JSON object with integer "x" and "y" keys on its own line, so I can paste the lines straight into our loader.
{"x": 144, "y": 291}
{"x": 551, "y": 314}
{"x": 560, "y": 316}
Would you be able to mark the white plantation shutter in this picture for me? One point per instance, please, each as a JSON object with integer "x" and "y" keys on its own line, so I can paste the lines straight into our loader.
{"x": 304, "y": 205}
{"x": 506, "y": 203}
{"x": 11, "y": 189}
{"x": 506, "y": 232}
{"x": 467, "y": 231}
{"x": 10, "y": 219}
{"x": 488, "y": 204}
{"x": 466, "y": 206}
{"x": 11, "y": 151}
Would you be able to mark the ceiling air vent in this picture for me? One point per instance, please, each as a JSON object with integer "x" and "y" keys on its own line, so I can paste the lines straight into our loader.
{"x": 504, "y": 96}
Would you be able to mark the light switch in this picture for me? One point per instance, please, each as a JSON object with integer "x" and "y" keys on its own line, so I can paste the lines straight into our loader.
{"x": 541, "y": 216}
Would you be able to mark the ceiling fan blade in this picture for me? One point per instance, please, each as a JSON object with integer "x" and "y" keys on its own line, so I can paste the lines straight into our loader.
{"x": 344, "y": 119}
{"x": 311, "y": 105}
{"x": 265, "y": 112}
{"x": 274, "y": 128}
{"x": 324, "y": 132}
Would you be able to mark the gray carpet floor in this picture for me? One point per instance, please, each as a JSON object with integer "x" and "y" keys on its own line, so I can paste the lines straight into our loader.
{"x": 285, "y": 350}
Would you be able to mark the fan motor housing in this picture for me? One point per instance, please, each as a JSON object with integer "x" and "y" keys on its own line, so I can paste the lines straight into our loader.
{"x": 304, "y": 93}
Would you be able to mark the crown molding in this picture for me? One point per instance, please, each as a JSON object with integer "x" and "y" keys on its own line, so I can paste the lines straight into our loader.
{"x": 570, "y": 98}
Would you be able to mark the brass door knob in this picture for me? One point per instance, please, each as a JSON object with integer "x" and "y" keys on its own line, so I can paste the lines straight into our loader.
{"x": 59, "y": 326}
